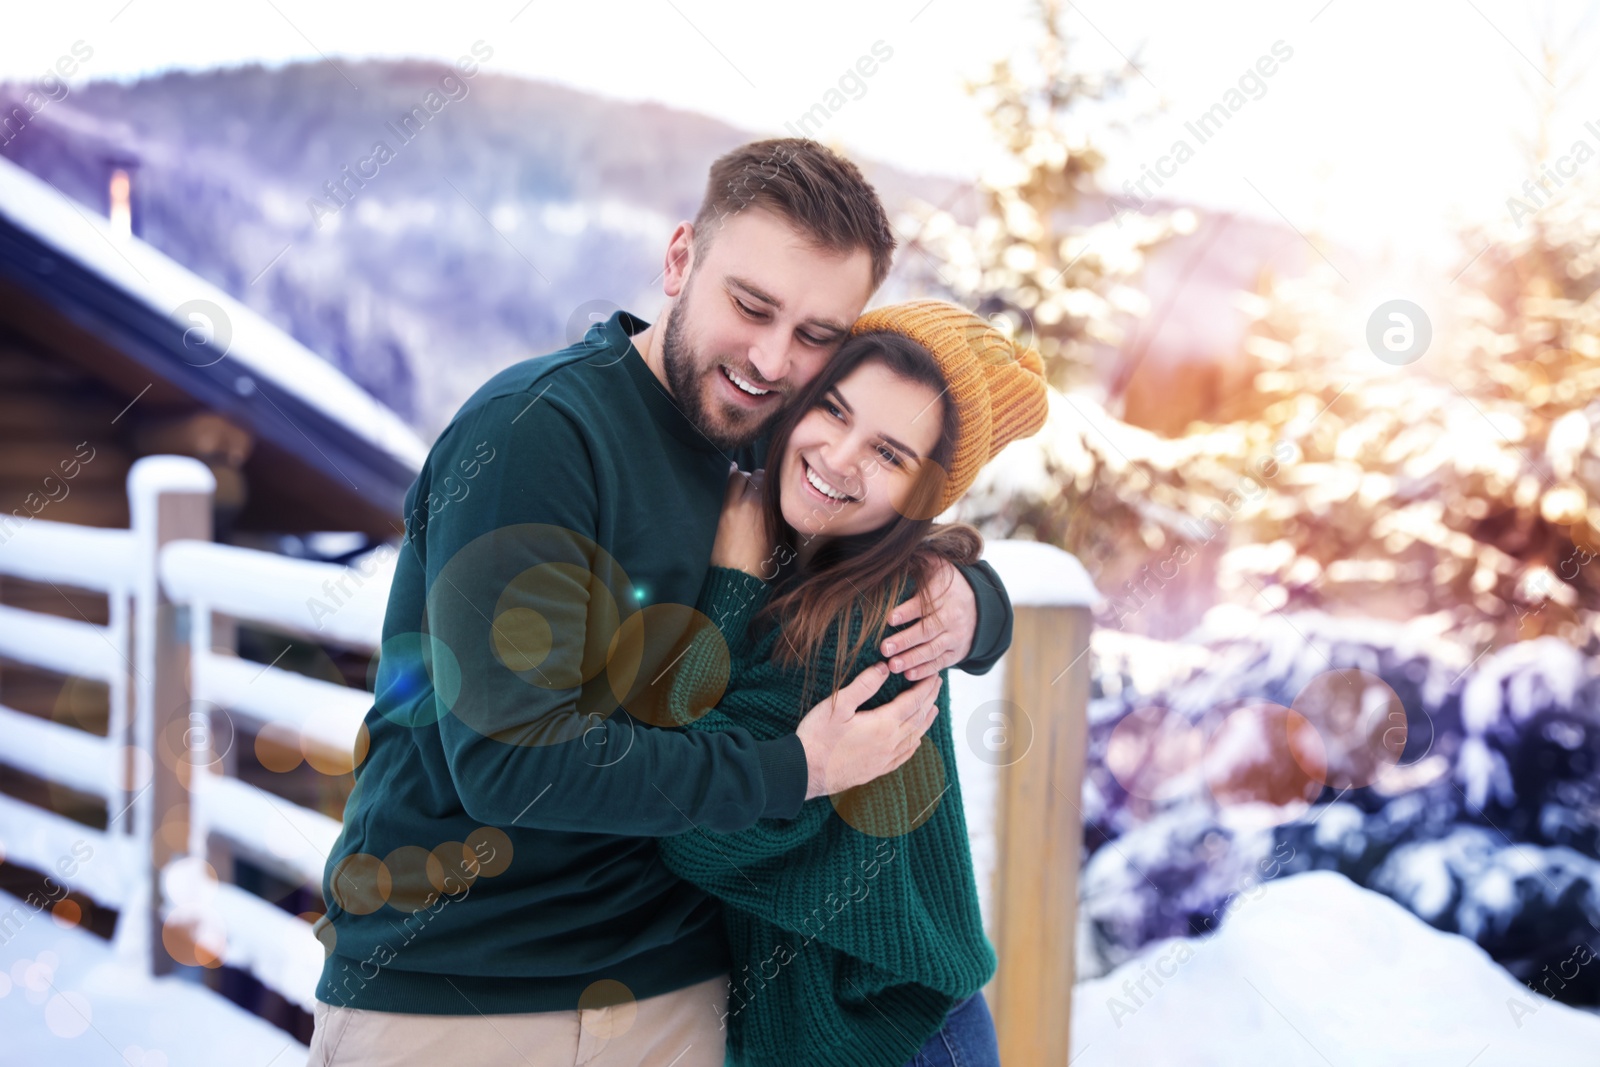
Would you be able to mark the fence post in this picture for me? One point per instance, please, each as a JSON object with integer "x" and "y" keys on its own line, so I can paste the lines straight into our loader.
{"x": 169, "y": 499}
{"x": 1039, "y": 831}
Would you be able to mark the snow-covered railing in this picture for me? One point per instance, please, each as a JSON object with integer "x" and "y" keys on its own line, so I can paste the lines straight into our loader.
{"x": 59, "y": 553}
{"x": 94, "y": 862}
{"x": 220, "y": 587}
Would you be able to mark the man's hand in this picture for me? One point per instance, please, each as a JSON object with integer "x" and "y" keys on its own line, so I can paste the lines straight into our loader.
{"x": 846, "y": 747}
{"x": 943, "y": 637}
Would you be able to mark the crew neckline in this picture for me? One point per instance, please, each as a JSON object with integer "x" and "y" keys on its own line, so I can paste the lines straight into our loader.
{"x": 618, "y": 331}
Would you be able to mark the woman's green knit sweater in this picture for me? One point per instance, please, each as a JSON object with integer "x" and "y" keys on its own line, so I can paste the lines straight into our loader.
{"x": 854, "y": 926}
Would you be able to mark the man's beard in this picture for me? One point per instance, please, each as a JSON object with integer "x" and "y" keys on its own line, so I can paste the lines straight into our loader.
{"x": 687, "y": 380}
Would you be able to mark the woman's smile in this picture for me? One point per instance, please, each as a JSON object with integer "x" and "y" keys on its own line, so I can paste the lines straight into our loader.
{"x": 824, "y": 487}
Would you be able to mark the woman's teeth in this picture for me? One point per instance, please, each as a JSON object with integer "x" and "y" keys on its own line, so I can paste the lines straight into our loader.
{"x": 821, "y": 486}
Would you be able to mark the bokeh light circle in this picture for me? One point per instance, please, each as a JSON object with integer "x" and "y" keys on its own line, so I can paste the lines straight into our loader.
{"x": 278, "y": 747}
{"x": 360, "y": 883}
{"x": 684, "y": 640}
{"x": 900, "y": 801}
{"x": 457, "y": 867}
{"x": 491, "y": 847}
{"x": 1152, "y": 750}
{"x": 608, "y": 993}
{"x": 415, "y": 678}
{"x": 68, "y": 1014}
{"x": 413, "y": 872}
{"x": 1258, "y": 755}
{"x": 1361, "y": 722}
{"x": 499, "y": 596}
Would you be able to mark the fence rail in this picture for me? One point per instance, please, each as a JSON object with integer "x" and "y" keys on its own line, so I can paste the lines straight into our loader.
{"x": 102, "y": 562}
{"x": 174, "y": 602}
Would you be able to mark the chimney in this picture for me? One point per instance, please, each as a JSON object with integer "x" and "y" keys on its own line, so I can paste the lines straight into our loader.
{"x": 119, "y": 194}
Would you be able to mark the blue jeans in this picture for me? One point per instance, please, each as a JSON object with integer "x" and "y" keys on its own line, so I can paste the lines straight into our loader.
{"x": 967, "y": 1039}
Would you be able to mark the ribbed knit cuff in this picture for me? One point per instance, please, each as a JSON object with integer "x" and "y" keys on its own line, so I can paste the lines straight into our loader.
{"x": 730, "y": 599}
{"x": 995, "y": 615}
{"x": 783, "y": 768}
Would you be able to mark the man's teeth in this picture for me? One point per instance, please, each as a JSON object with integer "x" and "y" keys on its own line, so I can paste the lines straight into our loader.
{"x": 744, "y": 384}
{"x": 823, "y": 487}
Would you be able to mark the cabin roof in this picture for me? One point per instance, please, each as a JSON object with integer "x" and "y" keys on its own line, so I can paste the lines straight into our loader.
{"x": 145, "y": 303}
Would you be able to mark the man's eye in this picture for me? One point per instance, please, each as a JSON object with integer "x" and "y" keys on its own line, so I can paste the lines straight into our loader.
{"x": 748, "y": 310}
{"x": 814, "y": 342}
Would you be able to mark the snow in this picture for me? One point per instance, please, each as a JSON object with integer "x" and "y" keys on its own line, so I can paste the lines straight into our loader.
{"x": 318, "y": 713}
{"x": 91, "y": 861}
{"x": 154, "y": 475}
{"x": 1488, "y": 883}
{"x": 1335, "y": 823}
{"x": 1420, "y": 875}
{"x": 978, "y": 778}
{"x": 336, "y": 604}
{"x": 65, "y": 646}
{"x": 84, "y": 556}
{"x": 59, "y": 753}
{"x": 243, "y": 930}
{"x": 1313, "y": 970}
{"x": 1350, "y": 641}
{"x": 1040, "y": 575}
{"x": 1132, "y": 664}
{"x": 153, "y": 279}
{"x": 64, "y": 1001}
{"x": 1534, "y": 675}
{"x": 1165, "y": 876}
{"x": 294, "y": 839}
{"x": 1505, "y": 692}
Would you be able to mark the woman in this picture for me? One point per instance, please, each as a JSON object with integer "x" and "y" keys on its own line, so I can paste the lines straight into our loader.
{"x": 854, "y": 926}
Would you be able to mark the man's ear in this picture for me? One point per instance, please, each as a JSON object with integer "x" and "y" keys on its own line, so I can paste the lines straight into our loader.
{"x": 680, "y": 259}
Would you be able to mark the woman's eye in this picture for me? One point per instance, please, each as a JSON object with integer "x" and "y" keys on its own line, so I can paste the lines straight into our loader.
{"x": 832, "y": 409}
{"x": 888, "y": 456}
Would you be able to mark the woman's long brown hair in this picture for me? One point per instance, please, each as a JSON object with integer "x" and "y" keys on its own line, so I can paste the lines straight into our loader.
{"x": 809, "y": 603}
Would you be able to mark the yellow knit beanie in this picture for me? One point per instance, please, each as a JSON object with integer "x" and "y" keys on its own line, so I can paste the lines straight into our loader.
{"x": 998, "y": 388}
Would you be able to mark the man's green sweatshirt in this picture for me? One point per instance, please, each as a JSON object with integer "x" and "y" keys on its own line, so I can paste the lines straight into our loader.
{"x": 499, "y": 850}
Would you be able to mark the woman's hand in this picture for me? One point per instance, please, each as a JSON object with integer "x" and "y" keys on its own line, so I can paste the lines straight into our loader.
{"x": 743, "y": 541}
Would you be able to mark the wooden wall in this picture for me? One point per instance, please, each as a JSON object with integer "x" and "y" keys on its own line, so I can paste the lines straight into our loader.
{"x": 63, "y": 454}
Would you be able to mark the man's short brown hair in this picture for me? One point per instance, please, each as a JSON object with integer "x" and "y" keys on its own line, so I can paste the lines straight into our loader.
{"x": 819, "y": 192}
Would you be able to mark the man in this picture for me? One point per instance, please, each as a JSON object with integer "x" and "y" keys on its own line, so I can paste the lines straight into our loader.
{"x": 495, "y": 895}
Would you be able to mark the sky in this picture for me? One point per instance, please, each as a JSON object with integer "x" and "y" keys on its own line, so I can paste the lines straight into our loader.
{"x": 1384, "y": 125}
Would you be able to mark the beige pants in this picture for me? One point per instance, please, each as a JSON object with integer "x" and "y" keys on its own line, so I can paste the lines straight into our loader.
{"x": 678, "y": 1029}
